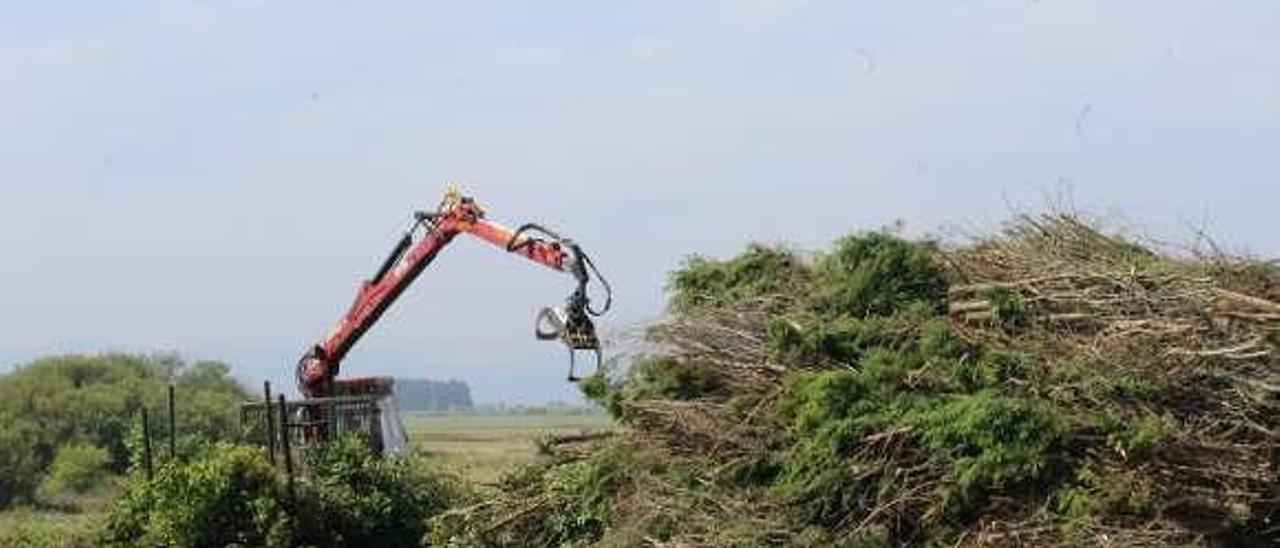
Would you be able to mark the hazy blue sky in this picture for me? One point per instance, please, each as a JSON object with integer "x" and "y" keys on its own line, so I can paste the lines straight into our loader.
{"x": 215, "y": 177}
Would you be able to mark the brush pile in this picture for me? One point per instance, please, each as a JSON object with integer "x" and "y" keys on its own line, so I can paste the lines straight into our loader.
{"x": 1052, "y": 385}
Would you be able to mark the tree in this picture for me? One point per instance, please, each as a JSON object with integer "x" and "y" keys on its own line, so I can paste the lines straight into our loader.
{"x": 77, "y": 468}
{"x": 94, "y": 400}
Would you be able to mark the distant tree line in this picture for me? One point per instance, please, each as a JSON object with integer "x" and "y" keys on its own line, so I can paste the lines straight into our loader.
{"x": 429, "y": 395}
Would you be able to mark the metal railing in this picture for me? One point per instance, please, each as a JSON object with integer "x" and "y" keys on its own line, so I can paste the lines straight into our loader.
{"x": 311, "y": 422}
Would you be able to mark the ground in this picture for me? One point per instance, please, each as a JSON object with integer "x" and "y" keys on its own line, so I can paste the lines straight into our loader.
{"x": 71, "y": 523}
{"x": 481, "y": 446}
{"x": 478, "y": 447}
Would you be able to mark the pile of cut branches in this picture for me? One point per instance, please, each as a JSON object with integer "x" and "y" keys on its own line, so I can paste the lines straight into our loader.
{"x": 1049, "y": 385}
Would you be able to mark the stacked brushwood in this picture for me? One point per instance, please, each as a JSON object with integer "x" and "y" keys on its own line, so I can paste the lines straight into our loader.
{"x": 1202, "y": 331}
{"x": 1051, "y": 385}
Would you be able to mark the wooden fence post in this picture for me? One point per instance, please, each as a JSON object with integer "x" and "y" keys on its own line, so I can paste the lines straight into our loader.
{"x": 146, "y": 443}
{"x": 173, "y": 427}
{"x": 285, "y": 443}
{"x": 271, "y": 424}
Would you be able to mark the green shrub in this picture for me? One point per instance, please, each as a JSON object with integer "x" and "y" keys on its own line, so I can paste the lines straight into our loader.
{"x": 660, "y": 377}
{"x": 28, "y": 527}
{"x": 77, "y": 468}
{"x": 806, "y": 339}
{"x": 19, "y": 463}
{"x": 1089, "y": 495}
{"x": 232, "y": 495}
{"x": 994, "y": 442}
{"x": 828, "y": 413}
{"x": 758, "y": 272}
{"x": 361, "y": 499}
{"x": 991, "y": 442}
{"x": 604, "y": 392}
{"x": 813, "y": 341}
{"x": 1134, "y": 440}
{"x": 564, "y": 502}
{"x": 586, "y": 488}
{"x": 991, "y": 370}
{"x": 877, "y": 274}
{"x": 671, "y": 378}
{"x": 95, "y": 400}
{"x": 1007, "y": 308}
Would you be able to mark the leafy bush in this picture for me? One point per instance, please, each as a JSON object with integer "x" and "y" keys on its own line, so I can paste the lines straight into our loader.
{"x": 993, "y": 442}
{"x": 567, "y": 503}
{"x": 95, "y": 400}
{"x": 877, "y": 274}
{"x": 605, "y": 392}
{"x": 232, "y": 495}
{"x": 809, "y": 339}
{"x": 361, "y": 499}
{"x": 1007, "y": 307}
{"x": 77, "y": 468}
{"x": 758, "y": 272}
{"x": 45, "y": 528}
{"x": 669, "y": 378}
{"x": 19, "y": 465}
{"x": 655, "y": 377}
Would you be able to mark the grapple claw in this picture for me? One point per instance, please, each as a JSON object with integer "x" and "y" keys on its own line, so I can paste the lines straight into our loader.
{"x": 576, "y": 331}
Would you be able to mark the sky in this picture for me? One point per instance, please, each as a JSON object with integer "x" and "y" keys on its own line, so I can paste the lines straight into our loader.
{"x": 215, "y": 178}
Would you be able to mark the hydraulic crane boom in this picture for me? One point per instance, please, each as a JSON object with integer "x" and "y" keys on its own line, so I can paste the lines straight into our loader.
{"x": 430, "y": 233}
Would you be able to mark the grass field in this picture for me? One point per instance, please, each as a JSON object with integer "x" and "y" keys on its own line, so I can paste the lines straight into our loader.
{"x": 71, "y": 524}
{"x": 481, "y": 447}
{"x": 51, "y": 528}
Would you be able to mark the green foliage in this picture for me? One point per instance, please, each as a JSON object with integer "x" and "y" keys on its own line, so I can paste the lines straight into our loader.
{"x": 95, "y": 400}
{"x": 758, "y": 272}
{"x": 895, "y": 424}
{"x": 1007, "y": 307}
{"x": 1090, "y": 495}
{"x": 565, "y": 503}
{"x": 232, "y": 495}
{"x": 818, "y": 536}
{"x": 83, "y": 401}
{"x": 991, "y": 370}
{"x": 948, "y": 394}
{"x": 877, "y": 274}
{"x": 994, "y": 442}
{"x": 1135, "y": 440}
{"x": 361, "y": 499}
{"x": 76, "y": 468}
{"x": 869, "y": 274}
{"x": 658, "y": 377}
{"x": 605, "y": 393}
{"x": 828, "y": 413}
{"x": 48, "y": 528}
{"x": 206, "y": 376}
{"x": 991, "y": 442}
{"x": 20, "y": 466}
{"x": 868, "y": 316}
{"x": 587, "y": 487}
{"x": 1121, "y": 387}
{"x": 670, "y": 378}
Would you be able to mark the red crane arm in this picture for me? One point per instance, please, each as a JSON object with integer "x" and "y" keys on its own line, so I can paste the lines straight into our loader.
{"x": 456, "y": 215}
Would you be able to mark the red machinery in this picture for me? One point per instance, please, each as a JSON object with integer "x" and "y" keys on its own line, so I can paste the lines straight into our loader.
{"x": 429, "y": 233}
